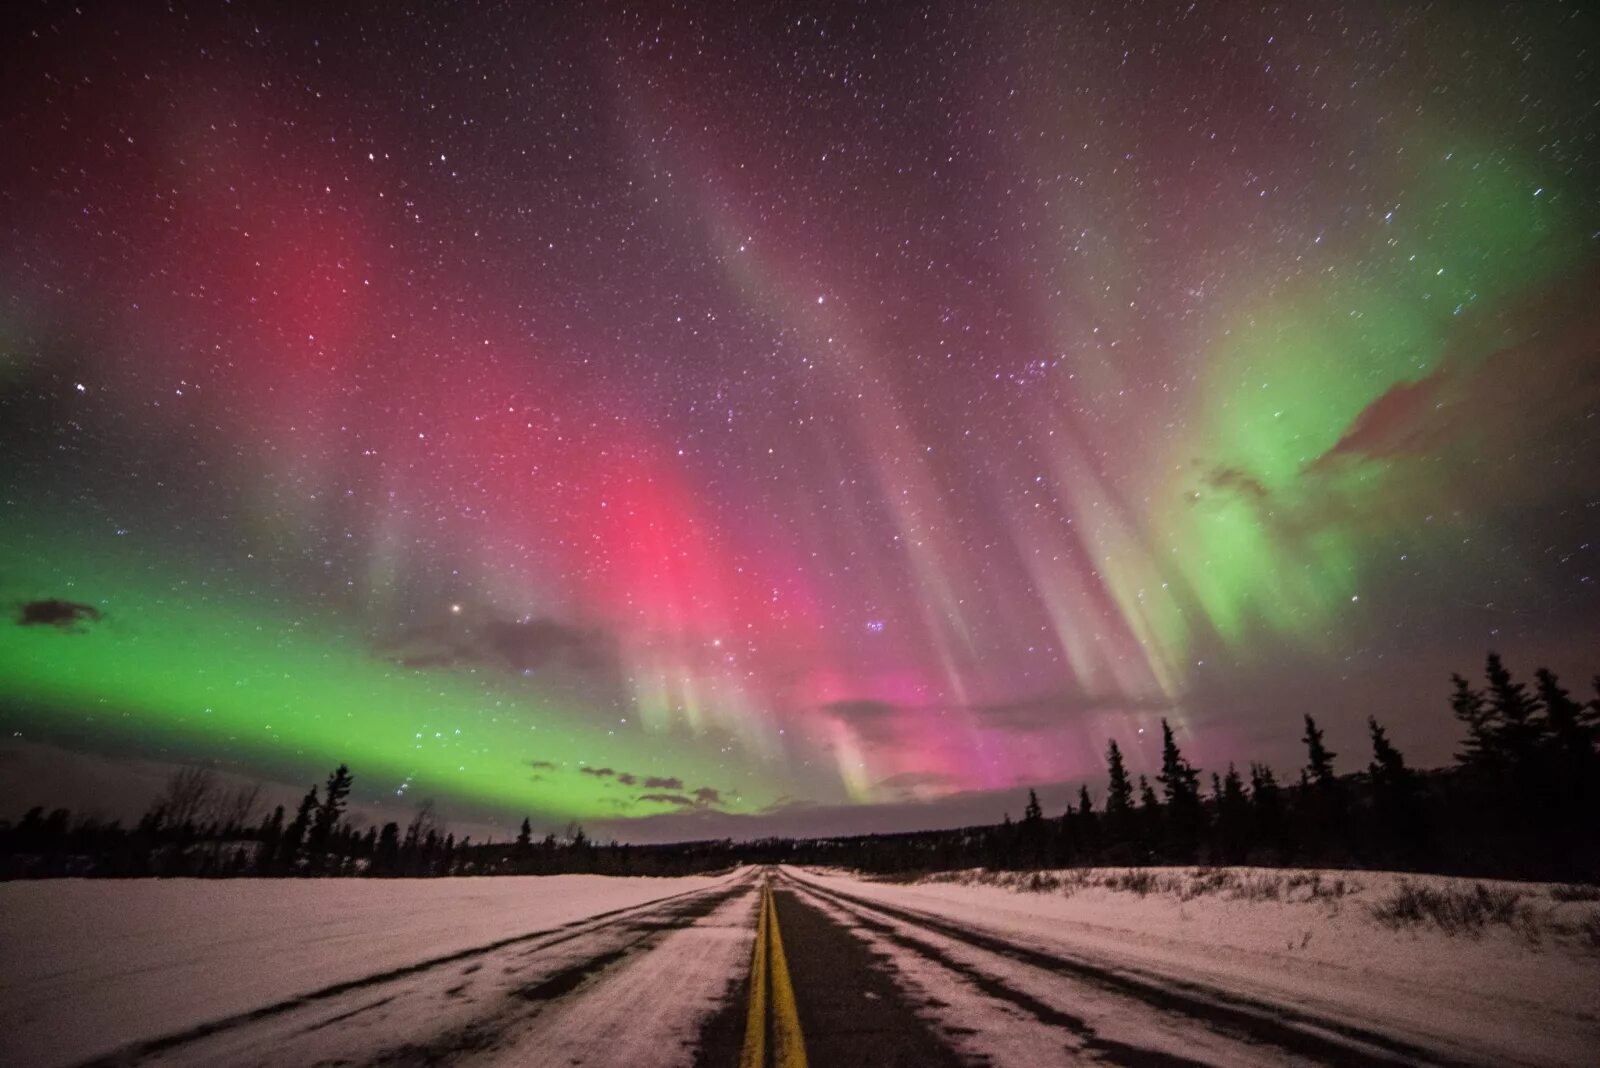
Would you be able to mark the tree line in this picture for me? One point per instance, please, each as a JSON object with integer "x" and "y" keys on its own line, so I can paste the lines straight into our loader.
{"x": 1522, "y": 800}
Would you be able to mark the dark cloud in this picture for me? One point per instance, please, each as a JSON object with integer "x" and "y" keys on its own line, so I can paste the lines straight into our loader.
{"x": 63, "y": 615}
{"x": 1397, "y": 422}
{"x": 668, "y": 799}
{"x": 703, "y": 798}
{"x": 873, "y": 721}
{"x": 525, "y": 644}
{"x": 1236, "y": 479}
{"x": 628, "y": 778}
{"x": 788, "y": 804}
{"x": 1057, "y": 709}
{"x": 910, "y": 785}
{"x": 514, "y": 645}
{"x": 656, "y": 782}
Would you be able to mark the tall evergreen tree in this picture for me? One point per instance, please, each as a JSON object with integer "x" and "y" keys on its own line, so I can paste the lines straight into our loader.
{"x": 1396, "y": 794}
{"x": 1032, "y": 813}
{"x": 270, "y": 838}
{"x": 1573, "y": 766}
{"x": 1149, "y": 812}
{"x": 1321, "y": 803}
{"x": 1266, "y": 807}
{"x": 333, "y": 801}
{"x": 1571, "y": 731}
{"x": 1031, "y": 836}
{"x": 1181, "y": 782}
{"x": 1319, "y": 758}
{"x": 1477, "y": 750}
{"x": 1119, "y": 794}
{"x": 326, "y": 817}
{"x": 1087, "y": 824}
{"x": 295, "y": 835}
{"x": 386, "y": 853}
{"x": 1518, "y": 727}
{"x": 1233, "y": 817}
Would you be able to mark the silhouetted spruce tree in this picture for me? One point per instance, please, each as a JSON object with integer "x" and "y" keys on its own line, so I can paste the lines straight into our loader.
{"x": 1319, "y": 758}
{"x": 1477, "y": 753}
{"x": 1088, "y": 823}
{"x": 1031, "y": 835}
{"x": 1266, "y": 810}
{"x": 1518, "y": 727}
{"x": 1181, "y": 782}
{"x": 289, "y": 854}
{"x": 1573, "y": 770}
{"x": 386, "y": 853}
{"x": 1321, "y": 800}
{"x": 1233, "y": 818}
{"x": 270, "y": 837}
{"x": 1396, "y": 798}
{"x": 321, "y": 835}
{"x": 1149, "y": 814}
{"x": 1570, "y": 739}
{"x": 1119, "y": 796}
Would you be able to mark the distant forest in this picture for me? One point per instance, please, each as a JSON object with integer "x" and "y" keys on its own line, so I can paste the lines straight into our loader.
{"x": 1522, "y": 800}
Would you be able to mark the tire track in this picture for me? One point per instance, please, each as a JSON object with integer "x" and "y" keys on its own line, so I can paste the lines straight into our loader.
{"x": 1292, "y": 1030}
{"x": 658, "y": 915}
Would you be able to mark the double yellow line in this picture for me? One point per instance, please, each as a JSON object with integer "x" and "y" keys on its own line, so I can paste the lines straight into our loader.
{"x": 789, "y": 1045}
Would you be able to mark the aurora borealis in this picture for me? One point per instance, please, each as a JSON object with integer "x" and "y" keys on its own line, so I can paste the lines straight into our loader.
{"x": 613, "y": 413}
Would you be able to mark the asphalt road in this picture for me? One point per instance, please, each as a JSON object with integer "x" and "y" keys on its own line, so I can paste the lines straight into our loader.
{"x": 771, "y": 968}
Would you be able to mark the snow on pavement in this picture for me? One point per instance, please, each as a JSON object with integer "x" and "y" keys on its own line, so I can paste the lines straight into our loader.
{"x": 91, "y": 966}
{"x": 1522, "y": 994}
{"x": 651, "y": 1011}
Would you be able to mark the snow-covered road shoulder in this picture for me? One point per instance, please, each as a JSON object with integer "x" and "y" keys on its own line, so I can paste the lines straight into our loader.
{"x": 91, "y": 966}
{"x": 1511, "y": 977}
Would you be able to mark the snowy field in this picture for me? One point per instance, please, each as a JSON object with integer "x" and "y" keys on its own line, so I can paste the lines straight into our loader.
{"x": 90, "y": 966}
{"x": 1513, "y": 976}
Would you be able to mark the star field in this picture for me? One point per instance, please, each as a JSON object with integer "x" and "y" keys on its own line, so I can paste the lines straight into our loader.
{"x": 616, "y": 412}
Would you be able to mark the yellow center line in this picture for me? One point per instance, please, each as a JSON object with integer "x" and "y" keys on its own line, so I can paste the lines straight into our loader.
{"x": 789, "y": 1046}
{"x": 754, "y": 1054}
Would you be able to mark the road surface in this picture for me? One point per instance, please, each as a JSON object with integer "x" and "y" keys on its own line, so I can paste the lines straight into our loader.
{"x": 776, "y": 967}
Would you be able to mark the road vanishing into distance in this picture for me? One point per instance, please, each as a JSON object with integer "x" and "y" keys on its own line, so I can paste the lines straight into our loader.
{"x": 773, "y": 967}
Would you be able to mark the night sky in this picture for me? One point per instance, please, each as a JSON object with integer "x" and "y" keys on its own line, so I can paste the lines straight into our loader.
{"x": 705, "y": 423}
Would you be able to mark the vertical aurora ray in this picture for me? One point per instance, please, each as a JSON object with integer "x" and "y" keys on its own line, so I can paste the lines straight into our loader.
{"x": 856, "y": 410}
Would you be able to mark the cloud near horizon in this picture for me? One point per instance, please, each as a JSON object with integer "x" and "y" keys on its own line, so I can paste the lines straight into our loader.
{"x": 60, "y": 614}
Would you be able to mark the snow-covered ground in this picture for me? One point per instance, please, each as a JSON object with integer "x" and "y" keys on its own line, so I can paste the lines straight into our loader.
{"x": 1233, "y": 967}
{"x": 1521, "y": 990}
{"x": 91, "y": 966}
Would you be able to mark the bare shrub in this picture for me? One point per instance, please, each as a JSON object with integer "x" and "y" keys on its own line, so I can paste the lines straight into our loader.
{"x": 1589, "y": 928}
{"x": 187, "y": 796}
{"x": 1575, "y": 892}
{"x": 1451, "y": 910}
{"x": 1205, "y": 881}
{"x": 1260, "y": 888}
{"x": 1041, "y": 882}
{"x": 1139, "y": 882}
